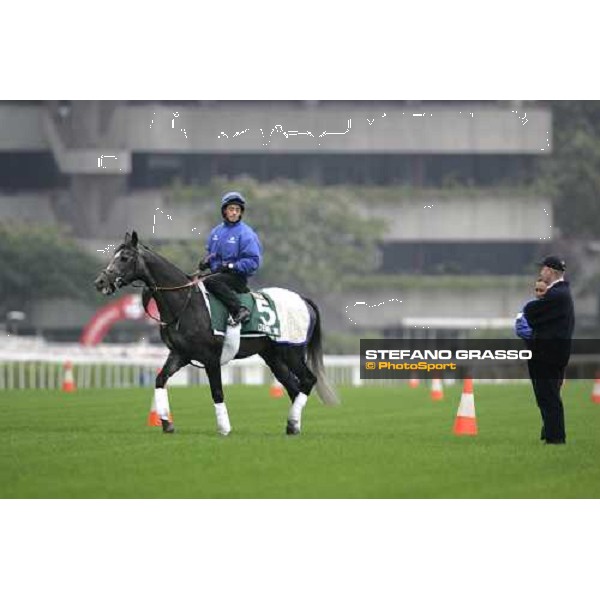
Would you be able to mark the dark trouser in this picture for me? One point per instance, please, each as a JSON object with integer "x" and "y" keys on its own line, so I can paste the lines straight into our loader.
{"x": 223, "y": 286}
{"x": 546, "y": 380}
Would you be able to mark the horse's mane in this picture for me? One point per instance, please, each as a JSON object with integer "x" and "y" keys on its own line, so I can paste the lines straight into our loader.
{"x": 147, "y": 293}
{"x": 165, "y": 262}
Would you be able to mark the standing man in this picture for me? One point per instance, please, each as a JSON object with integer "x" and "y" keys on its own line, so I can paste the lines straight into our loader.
{"x": 234, "y": 254}
{"x": 551, "y": 318}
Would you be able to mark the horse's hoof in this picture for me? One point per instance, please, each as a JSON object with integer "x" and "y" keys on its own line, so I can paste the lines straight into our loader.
{"x": 223, "y": 429}
{"x": 293, "y": 427}
{"x": 167, "y": 426}
{"x": 223, "y": 425}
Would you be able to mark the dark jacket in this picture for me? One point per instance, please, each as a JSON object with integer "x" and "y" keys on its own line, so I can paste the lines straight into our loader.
{"x": 552, "y": 319}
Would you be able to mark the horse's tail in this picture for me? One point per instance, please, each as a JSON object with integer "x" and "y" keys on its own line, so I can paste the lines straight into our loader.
{"x": 325, "y": 390}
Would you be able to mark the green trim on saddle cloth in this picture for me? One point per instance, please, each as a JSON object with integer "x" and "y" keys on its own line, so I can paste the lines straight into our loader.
{"x": 263, "y": 316}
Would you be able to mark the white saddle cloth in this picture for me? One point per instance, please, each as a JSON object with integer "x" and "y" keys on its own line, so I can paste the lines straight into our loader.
{"x": 294, "y": 321}
{"x": 294, "y": 318}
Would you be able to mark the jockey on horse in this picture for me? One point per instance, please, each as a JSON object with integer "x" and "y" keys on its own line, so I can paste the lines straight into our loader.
{"x": 234, "y": 254}
{"x": 185, "y": 324}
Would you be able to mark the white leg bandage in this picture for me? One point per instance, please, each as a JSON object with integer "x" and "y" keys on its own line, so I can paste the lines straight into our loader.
{"x": 161, "y": 400}
{"x": 223, "y": 424}
{"x": 296, "y": 409}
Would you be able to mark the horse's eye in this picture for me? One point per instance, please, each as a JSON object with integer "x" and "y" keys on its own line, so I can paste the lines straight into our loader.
{"x": 122, "y": 258}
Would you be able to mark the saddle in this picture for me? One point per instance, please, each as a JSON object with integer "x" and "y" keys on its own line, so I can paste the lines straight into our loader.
{"x": 280, "y": 314}
{"x": 263, "y": 319}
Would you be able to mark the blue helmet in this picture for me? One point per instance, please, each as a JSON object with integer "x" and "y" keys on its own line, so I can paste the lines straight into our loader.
{"x": 232, "y": 198}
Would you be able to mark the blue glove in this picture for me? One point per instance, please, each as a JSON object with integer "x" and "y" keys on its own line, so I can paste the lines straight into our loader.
{"x": 522, "y": 328}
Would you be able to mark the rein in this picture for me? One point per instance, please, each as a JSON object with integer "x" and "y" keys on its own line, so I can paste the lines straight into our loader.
{"x": 177, "y": 318}
{"x": 179, "y": 287}
{"x": 152, "y": 289}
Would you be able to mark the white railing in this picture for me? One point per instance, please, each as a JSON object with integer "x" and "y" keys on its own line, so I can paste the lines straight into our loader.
{"x": 34, "y": 364}
{"x": 37, "y": 371}
{"x": 27, "y": 363}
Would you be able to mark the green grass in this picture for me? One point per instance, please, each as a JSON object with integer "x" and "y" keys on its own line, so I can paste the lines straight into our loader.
{"x": 381, "y": 443}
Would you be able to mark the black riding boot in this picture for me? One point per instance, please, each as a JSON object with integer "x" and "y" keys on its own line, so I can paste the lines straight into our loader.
{"x": 221, "y": 284}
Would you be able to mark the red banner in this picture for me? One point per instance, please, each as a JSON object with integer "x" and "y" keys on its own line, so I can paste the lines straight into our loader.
{"x": 128, "y": 307}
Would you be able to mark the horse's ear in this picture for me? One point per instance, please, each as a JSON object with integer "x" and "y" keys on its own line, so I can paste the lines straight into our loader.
{"x": 134, "y": 239}
{"x": 127, "y": 238}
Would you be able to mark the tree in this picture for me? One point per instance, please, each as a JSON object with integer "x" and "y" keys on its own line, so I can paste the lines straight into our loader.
{"x": 572, "y": 173}
{"x": 312, "y": 236}
{"x": 38, "y": 262}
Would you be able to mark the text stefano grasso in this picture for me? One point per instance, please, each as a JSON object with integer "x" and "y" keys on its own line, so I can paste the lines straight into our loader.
{"x": 498, "y": 354}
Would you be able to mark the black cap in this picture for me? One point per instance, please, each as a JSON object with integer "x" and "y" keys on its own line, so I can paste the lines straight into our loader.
{"x": 554, "y": 262}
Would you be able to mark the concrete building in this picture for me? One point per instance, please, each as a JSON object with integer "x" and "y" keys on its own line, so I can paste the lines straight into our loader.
{"x": 104, "y": 167}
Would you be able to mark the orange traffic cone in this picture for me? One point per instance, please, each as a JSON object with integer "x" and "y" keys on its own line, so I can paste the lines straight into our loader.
{"x": 153, "y": 418}
{"x": 276, "y": 389}
{"x": 596, "y": 391}
{"x": 465, "y": 422}
{"x": 437, "y": 390}
{"x": 413, "y": 382}
{"x": 68, "y": 384}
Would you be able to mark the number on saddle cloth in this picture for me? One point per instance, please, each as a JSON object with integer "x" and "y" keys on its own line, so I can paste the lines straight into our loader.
{"x": 263, "y": 316}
